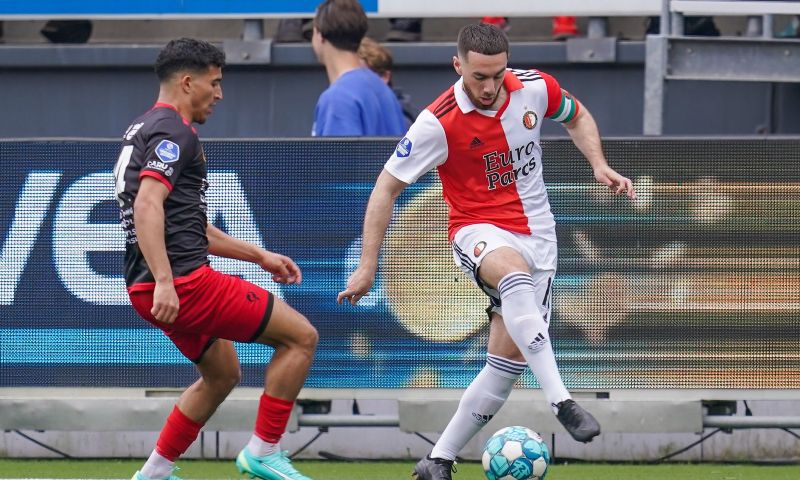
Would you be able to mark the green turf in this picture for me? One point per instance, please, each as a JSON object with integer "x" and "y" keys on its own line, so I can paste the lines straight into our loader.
{"x": 328, "y": 470}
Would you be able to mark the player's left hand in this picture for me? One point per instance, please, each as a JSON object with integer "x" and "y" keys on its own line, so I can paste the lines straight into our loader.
{"x": 614, "y": 181}
{"x": 282, "y": 268}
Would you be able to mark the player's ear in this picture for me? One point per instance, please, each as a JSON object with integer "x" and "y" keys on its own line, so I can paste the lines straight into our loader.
{"x": 185, "y": 82}
{"x": 457, "y": 64}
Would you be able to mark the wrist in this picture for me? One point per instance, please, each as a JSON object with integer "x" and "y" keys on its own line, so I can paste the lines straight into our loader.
{"x": 598, "y": 164}
{"x": 163, "y": 278}
{"x": 260, "y": 255}
{"x": 368, "y": 264}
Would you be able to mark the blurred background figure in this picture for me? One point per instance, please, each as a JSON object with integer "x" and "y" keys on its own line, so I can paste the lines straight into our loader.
{"x": 67, "y": 31}
{"x": 502, "y": 23}
{"x": 294, "y": 30}
{"x": 792, "y": 30}
{"x": 404, "y": 30}
{"x": 379, "y": 59}
{"x": 357, "y": 103}
{"x": 564, "y": 27}
{"x": 692, "y": 26}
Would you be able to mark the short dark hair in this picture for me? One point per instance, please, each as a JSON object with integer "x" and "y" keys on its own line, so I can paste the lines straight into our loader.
{"x": 187, "y": 54}
{"x": 482, "y": 38}
{"x": 342, "y": 22}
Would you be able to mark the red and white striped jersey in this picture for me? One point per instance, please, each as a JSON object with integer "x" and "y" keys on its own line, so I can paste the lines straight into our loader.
{"x": 489, "y": 163}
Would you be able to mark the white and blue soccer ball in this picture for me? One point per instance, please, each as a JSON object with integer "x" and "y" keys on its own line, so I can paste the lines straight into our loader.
{"x": 515, "y": 453}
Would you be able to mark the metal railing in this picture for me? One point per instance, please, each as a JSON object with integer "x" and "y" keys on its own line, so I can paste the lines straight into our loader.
{"x": 756, "y": 57}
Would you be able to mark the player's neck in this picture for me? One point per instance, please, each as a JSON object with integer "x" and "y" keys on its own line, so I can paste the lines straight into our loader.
{"x": 339, "y": 62}
{"x": 183, "y": 109}
{"x": 501, "y": 98}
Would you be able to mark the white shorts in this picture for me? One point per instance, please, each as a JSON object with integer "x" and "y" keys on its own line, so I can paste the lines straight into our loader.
{"x": 473, "y": 242}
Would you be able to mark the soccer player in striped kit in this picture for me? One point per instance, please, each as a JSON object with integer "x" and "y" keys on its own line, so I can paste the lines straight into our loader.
{"x": 161, "y": 182}
{"x": 482, "y": 135}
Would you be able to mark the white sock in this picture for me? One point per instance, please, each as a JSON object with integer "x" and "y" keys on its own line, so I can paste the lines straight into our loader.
{"x": 528, "y": 329}
{"x": 480, "y": 402}
{"x": 260, "y": 448}
{"x": 157, "y": 467}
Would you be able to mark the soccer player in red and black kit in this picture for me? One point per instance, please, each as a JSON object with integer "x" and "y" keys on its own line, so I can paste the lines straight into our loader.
{"x": 160, "y": 184}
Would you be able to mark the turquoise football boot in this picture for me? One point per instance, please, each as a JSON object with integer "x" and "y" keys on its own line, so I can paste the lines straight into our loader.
{"x": 139, "y": 476}
{"x": 276, "y": 466}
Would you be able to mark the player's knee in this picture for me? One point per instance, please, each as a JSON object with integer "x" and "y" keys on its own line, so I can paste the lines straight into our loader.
{"x": 222, "y": 383}
{"x": 307, "y": 337}
{"x": 229, "y": 380}
{"x": 509, "y": 367}
{"x": 232, "y": 380}
{"x": 516, "y": 284}
{"x": 515, "y": 356}
{"x": 235, "y": 378}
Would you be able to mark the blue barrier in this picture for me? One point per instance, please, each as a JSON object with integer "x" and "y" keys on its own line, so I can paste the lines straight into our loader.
{"x": 166, "y": 7}
{"x": 280, "y": 8}
{"x": 209, "y": 8}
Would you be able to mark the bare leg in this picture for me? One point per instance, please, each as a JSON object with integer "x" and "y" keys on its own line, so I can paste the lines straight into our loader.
{"x": 295, "y": 341}
{"x": 219, "y": 374}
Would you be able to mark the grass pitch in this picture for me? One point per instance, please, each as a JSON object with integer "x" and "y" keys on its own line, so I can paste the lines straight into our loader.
{"x": 330, "y": 470}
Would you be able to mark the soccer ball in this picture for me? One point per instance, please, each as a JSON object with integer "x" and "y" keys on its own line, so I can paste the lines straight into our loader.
{"x": 515, "y": 453}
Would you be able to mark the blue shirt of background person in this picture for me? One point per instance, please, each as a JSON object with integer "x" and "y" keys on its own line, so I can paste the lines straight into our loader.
{"x": 358, "y": 103}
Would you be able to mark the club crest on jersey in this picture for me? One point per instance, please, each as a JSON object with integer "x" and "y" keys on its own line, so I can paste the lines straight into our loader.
{"x": 404, "y": 148}
{"x": 479, "y": 248}
{"x": 529, "y": 119}
{"x": 168, "y": 151}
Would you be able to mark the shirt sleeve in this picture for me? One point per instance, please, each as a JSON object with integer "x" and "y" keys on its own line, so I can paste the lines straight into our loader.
{"x": 168, "y": 150}
{"x": 423, "y": 148}
{"x": 561, "y": 106}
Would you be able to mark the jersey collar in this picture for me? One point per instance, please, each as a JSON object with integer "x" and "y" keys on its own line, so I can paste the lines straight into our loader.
{"x": 164, "y": 105}
{"x": 510, "y": 82}
{"x": 172, "y": 107}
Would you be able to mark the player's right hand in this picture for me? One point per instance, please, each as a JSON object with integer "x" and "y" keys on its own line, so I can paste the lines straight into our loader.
{"x": 165, "y": 302}
{"x": 282, "y": 268}
{"x": 615, "y": 182}
{"x": 358, "y": 285}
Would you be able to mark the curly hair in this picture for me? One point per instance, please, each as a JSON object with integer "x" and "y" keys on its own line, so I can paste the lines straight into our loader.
{"x": 187, "y": 54}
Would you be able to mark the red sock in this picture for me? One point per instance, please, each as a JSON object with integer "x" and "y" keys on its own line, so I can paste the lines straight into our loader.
{"x": 273, "y": 415}
{"x": 177, "y": 435}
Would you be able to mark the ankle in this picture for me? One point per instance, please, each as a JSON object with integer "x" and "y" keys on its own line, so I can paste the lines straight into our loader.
{"x": 260, "y": 448}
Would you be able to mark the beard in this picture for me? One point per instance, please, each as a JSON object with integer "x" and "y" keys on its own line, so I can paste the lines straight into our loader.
{"x": 480, "y": 104}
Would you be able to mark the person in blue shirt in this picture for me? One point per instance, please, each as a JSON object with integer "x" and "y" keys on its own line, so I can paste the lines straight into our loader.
{"x": 379, "y": 59}
{"x": 358, "y": 102}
